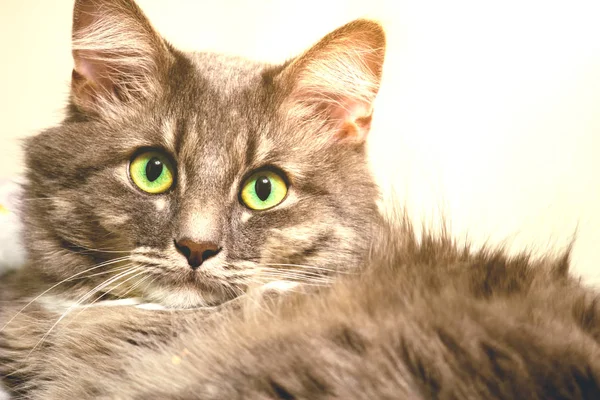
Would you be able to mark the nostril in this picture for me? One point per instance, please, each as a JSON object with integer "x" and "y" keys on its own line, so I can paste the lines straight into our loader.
{"x": 185, "y": 251}
{"x": 209, "y": 253}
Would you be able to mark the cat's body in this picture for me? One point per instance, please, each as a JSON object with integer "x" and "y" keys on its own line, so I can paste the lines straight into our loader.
{"x": 421, "y": 321}
{"x": 237, "y": 196}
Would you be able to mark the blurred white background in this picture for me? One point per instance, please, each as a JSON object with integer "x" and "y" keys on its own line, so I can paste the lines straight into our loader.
{"x": 489, "y": 111}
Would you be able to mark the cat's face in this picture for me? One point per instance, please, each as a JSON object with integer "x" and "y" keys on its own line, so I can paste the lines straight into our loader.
{"x": 192, "y": 176}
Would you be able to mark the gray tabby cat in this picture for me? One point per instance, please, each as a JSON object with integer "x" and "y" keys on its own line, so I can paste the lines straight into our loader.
{"x": 195, "y": 180}
{"x": 202, "y": 173}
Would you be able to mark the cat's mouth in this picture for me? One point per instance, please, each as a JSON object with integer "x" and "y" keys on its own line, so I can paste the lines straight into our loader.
{"x": 184, "y": 297}
{"x": 188, "y": 292}
{"x": 183, "y": 287}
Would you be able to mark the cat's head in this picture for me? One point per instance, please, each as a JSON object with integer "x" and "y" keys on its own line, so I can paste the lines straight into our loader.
{"x": 185, "y": 178}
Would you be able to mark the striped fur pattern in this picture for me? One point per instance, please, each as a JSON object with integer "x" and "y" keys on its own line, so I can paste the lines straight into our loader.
{"x": 316, "y": 298}
{"x": 218, "y": 119}
{"x": 423, "y": 319}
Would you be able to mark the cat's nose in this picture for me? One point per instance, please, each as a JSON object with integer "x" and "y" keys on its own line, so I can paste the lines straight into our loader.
{"x": 197, "y": 252}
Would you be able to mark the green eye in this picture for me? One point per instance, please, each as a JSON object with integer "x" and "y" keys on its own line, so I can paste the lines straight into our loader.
{"x": 263, "y": 189}
{"x": 152, "y": 172}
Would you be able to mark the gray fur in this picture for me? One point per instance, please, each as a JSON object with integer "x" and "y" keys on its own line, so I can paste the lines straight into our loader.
{"x": 218, "y": 118}
{"x": 399, "y": 317}
{"x": 422, "y": 320}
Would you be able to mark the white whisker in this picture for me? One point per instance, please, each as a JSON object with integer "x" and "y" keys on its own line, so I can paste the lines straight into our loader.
{"x": 104, "y": 272}
{"x": 303, "y": 267}
{"x": 81, "y": 300}
{"x": 294, "y": 275}
{"x": 85, "y": 306}
{"x": 136, "y": 285}
{"x": 104, "y": 264}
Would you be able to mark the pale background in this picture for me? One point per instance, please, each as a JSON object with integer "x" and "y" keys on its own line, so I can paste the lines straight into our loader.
{"x": 489, "y": 111}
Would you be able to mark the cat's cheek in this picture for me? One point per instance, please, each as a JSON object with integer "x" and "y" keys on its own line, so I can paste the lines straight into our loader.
{"x": 143, "y": 218}
{"x": 290, "y": 243}
{"x": 105, "y": 196}
{"x": 111, "y": 221}
{"x": 251, "y": 231}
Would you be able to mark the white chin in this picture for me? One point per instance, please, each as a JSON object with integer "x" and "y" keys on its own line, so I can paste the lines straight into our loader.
{"x": 181, "y": 298}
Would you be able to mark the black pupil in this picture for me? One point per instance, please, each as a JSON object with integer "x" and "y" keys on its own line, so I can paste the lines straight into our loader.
{"x": 263, "y": 188}
{"x": 154, "y": 169}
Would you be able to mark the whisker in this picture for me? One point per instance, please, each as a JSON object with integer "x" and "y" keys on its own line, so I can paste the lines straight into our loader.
{"x": 103, "y": 273}
{"x": 86, "y": 306}
{"x": 137, "y": 284}
{"x": 81, "y": 300}
{"x": 294, "y": 274}
{"x": 104, "y": 264}
{"x": 150, "y": 283}
{"x": 232, "y": 289}
{"x": 39, "y": 198}
{"x": 263, "y": 282}
{"x": 307, "y": 284}
{"x": 304, "y": 267}
{"x": 257, "y": 284}
{"x": 102, "y": 250}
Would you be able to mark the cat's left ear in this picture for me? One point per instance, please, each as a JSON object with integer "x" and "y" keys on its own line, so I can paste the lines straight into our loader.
{"x": 337, "y": 80}
{"x": 119, "y": 57}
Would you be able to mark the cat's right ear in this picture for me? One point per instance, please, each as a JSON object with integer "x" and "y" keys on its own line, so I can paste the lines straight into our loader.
{"x": 119, "y": 58}
{"x": 336, "y": 81}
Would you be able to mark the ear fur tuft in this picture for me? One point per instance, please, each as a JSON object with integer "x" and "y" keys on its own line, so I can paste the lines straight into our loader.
{"x": 338, "y": 78}
{"x": 118, "y": 56}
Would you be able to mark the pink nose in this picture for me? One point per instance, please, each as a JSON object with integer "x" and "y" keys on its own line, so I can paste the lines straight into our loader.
{"x": 197, "y": 252}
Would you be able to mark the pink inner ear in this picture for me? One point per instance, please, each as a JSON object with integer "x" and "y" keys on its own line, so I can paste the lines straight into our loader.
{"x": 95, "y": 73}
{"x": 85, "y": 69}
{"x": 354, "y": 120}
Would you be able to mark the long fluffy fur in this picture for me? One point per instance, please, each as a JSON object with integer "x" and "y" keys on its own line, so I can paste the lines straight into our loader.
{"x": 120, "y": 56}
{"x": 415, "y": 318}
{"x": 423, "y": 319}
